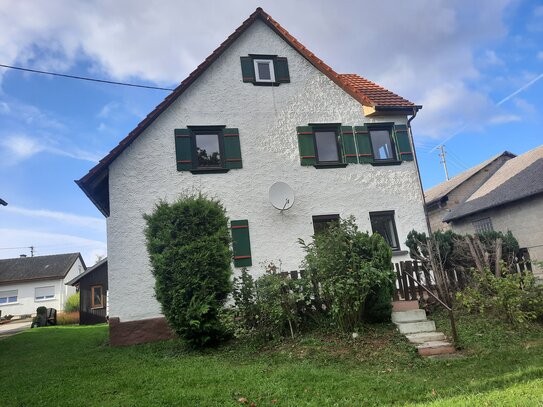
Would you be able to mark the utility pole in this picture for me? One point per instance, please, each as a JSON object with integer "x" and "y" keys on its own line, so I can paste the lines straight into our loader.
{"x": 443, "y": 160}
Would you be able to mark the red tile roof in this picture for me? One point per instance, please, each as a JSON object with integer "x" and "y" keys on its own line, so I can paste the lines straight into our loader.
{"x": 362, "y": 90}
{"x": 375, "y": 94}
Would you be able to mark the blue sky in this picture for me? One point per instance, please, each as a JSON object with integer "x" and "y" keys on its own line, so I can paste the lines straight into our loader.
{"x": 459, "y": 59}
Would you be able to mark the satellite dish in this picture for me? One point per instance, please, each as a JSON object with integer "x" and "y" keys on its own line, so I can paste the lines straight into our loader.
{"x": 281, "y": 196}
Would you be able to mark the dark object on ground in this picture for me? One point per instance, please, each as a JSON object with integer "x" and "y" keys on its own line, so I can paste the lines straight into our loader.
{"x": 44, "y": 317}
{"x": 51, "y": 316}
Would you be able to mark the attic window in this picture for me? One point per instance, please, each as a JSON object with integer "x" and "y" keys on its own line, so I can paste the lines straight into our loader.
{"x": 264, "y": 70}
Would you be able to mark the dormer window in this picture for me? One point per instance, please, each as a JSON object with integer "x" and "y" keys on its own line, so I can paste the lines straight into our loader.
{"x": 264, "y": 70}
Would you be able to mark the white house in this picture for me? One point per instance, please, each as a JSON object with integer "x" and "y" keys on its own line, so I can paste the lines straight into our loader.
{"x": 27, "y": 283}
{"x": 260, "y": 109}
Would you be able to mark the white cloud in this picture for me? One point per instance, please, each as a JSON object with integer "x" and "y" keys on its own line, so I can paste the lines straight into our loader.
{"x": 504, "y": 118}
{"x": 68, "y": 218}
{"x": 48, "y": 243}
{"x": 18, "y": 147}
{"x": 540, "y": 55}
{"x": 417, "y": 49}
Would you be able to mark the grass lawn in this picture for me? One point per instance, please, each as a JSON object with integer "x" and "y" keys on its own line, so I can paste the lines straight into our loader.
{"x": 73, "y": 366}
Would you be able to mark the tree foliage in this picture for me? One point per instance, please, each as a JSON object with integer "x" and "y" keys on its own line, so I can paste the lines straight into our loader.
{"x": 188, "y": 245}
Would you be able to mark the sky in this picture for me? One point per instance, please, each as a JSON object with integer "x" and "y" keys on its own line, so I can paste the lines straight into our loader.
{"x": 476, "y": 67}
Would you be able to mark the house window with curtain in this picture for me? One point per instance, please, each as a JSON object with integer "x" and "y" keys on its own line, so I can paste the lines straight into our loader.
{"x": 97, "y": 296}
{"x": 384, "y": 224}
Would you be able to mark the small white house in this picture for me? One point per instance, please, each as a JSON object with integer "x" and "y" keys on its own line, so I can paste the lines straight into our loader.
{"x": 27, "y": 283}
{"x": 260, "y": 109}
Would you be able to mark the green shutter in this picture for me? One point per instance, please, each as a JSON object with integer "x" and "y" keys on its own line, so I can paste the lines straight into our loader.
{"x": 232, "y": 149}
{"x": 349, "y": 145}
{"x": 363, "y": 144}
{"x": 306, "y": 145}
{"x": 405, "y": 153}
{"x": 281, "y": 70}
{"x": 247, "y": 69}
{"x": 241, "y": 243}
{"x": 183, "y": 150}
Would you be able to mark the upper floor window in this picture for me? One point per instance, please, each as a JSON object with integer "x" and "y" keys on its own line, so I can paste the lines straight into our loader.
{"x": 382, "y": 144}
{"x": 8, "y": 297}
{"x": 483, "y": 225}
{"x": 327, "y": 146}
{"x": 265, "y": 70}
{"x": 383, "y": 223}
{"x": 208, "y": 149}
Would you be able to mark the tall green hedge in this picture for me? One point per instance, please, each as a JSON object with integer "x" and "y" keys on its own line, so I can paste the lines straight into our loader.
{"x": 188, "y": 244}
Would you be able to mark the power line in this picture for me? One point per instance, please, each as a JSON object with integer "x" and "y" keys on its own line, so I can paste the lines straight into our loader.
{"x": 83, "y": 78}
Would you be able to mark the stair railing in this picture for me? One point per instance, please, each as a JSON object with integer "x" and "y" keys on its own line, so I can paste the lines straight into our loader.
{"x": 449, "y": 309}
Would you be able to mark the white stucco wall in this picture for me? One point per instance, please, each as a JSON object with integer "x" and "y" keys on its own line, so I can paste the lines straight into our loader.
{"x": 26, "y": 302}
{"x": 266, "y": 118}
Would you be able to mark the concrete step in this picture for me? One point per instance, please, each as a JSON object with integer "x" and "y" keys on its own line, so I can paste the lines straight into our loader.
{"x": 416, "y": 327}
{"x": 398, "y": 306}
{"x": 435, "y": 348}
{"x": 409, "y": 316}
{"x": 426, "y": 337}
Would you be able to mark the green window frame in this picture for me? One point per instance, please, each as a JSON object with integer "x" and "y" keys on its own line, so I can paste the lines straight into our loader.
{"x": 188, "y": 158}
{"x": 278, "y": 68}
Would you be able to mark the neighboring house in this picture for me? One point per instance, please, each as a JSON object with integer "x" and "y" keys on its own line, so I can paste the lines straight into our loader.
{"x": 260, "y": 109}
{"x": 27, "y": 283}
{"x": 92, "y": 287}
{"x": 443, "y": 198}
{"x": 510, "y": 198}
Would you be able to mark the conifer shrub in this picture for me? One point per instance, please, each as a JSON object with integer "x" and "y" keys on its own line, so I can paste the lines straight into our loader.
{"x": 188, "y": 244}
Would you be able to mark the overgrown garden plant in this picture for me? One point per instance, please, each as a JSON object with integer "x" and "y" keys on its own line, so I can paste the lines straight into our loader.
{"x": 188, "y": 245}
{"x": 352, "y": 274}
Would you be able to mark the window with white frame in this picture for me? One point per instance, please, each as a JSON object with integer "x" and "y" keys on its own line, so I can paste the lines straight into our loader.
{"x": 264, "y": 71}
{"x": 44, "y": 293}
{"x": 8, "y": 297}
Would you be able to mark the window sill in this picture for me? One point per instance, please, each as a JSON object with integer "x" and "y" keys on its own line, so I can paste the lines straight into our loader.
{"x": 210, "y": 171}
{"x": 335, "y": 165}
{"x": 45, "y": 300}
{"x": 96, "y": 308}
{"x": 399, "y": 253}
{"x": 380, "y": 163}
{"x": 255, "y": 83}
{"x": 10, "y": 303}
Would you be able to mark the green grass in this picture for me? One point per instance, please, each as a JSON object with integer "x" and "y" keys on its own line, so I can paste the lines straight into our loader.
{"x": 73, "y": 366}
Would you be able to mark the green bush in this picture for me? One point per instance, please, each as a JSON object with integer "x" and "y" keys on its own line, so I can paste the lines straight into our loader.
{"x": 188, "y": 244}
{"x": 515, "y": 297}
{"x": 72, "y": 303}
{"x": 348, "y": 266}
{"x": 271, "y": 307}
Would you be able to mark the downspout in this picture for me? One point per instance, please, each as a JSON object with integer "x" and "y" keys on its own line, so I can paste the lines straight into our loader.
{"x": 412, "y": 142}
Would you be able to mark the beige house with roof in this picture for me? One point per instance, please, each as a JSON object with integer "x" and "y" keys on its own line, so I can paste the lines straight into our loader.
{"x": 503, "y": 193}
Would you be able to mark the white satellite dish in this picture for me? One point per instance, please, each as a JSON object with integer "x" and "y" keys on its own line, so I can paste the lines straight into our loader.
{"x": 281, "y": 196}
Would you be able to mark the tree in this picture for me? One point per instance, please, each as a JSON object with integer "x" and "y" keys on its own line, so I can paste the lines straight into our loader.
{"x": 188, "y": 244}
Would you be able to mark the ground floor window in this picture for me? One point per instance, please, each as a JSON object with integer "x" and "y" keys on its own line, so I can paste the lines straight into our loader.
{"x": 97, "y": 296}
{"x": 324, "y": 222}
{"x": 483, "y": 225}
{"x": 8, "y": 297}
{"x": 383, "y": 223}
{"x": 44, "y": 293}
